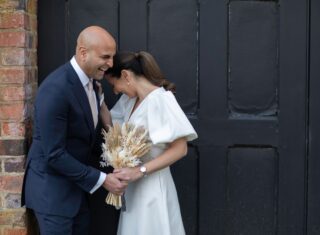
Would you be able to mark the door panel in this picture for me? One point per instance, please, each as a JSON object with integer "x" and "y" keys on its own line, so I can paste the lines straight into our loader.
{"x": 252, "y": 190}
{"x": 253, "y": 58}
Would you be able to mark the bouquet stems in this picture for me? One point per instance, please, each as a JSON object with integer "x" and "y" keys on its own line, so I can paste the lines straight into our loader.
{"x": 114, "y": 200}
{"x": 123, "y": 146}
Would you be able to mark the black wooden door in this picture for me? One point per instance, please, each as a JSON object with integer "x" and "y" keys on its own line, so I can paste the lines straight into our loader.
{"x": 252, "y": 117}
{"x": 241, "y": 73}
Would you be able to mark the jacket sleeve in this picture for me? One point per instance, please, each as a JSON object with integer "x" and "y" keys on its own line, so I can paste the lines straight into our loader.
{"x": 52, "y": 121}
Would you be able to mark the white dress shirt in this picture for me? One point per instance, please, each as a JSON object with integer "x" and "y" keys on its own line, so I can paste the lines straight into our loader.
{"x": 85, "y": 80}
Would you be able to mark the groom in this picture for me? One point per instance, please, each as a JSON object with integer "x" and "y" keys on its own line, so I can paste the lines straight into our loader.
{"x": 67, "y": 111}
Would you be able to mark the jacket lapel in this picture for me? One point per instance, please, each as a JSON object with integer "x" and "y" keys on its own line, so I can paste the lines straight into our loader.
{"x": 81, "y": 96}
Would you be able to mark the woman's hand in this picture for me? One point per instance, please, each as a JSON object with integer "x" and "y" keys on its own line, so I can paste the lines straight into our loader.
{"x": 175, "y": 151}
{"x": 130, "y": 173}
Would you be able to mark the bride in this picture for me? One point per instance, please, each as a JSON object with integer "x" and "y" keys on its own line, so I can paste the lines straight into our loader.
{"x": 152, "y": 205}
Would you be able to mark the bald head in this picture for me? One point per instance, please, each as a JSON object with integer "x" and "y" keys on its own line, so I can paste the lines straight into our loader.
{"x": 94, "y": 36}
{"x": 95, "y": 50}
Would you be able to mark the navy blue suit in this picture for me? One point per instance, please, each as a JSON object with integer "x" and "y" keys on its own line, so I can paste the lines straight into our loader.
{"x": 57, "y": 175}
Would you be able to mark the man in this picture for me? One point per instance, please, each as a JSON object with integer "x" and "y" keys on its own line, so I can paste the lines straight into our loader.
{"x": 58, "y": 176}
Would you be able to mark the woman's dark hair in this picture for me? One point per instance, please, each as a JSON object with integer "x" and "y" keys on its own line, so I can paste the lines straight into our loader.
{"x": 141, "y": 64}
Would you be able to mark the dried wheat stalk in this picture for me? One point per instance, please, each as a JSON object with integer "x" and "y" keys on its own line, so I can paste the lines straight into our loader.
{"x": 123, "y": 147}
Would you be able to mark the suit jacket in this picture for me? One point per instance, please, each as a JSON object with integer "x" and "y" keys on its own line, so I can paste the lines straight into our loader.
{"x": 57, "y": 171}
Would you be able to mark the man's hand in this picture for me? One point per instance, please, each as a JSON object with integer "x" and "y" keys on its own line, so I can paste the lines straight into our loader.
{"x": 114, "y": 185}
{"x": 129, "y": 174}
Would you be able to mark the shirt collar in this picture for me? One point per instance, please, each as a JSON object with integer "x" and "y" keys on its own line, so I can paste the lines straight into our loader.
{"x": 82, "y": 76}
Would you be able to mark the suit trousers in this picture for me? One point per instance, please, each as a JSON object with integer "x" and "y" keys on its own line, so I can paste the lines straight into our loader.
{"x": 58, "y": 225}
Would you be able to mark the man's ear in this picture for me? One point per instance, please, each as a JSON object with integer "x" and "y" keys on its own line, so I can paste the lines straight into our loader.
{"x": 82, "y": 53}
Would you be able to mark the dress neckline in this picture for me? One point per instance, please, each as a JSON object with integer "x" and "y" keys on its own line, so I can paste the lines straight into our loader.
{"x": 132, "y": 112}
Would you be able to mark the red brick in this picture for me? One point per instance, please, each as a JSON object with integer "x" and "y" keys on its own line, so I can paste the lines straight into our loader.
{"x": 33, "y": 22}
{"x": 20, "y": 75}
{"x": 14, "y": 165}
{"x": 12, "y": 93}
{"x": 13, "y": 75}
{"x": 32, "y": 76}
{"x": 33, "y": 42}
{"x": 14, "y": 231}
{"x": 6, "y": 218}
{"x": 13, "y": 129}
{"x": 29, "y": 109}
{"x": 14, "y": 56}
{"x": 13, "y": 38}
{"x": 12, "y": 201}
{"x": 32, "y": 7}
{"x": 12, "y": 217}
{"x": 12, "y": 111}
{"x": 10, "y": 20}
{"x": 30, "y": 90}
{"x": 31, "y": 57}
{"x": 9, "y": 4}
{"x": 11, "y": 183}
{"x": 12, "y": 147}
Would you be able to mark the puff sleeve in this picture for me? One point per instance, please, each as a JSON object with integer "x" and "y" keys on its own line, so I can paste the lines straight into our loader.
{"x": 166, "y": 120}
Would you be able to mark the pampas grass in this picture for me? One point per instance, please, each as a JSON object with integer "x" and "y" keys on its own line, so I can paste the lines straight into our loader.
{"x": 123, "y": 147}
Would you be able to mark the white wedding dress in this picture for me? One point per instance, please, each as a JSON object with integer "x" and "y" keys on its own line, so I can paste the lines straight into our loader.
{"x": 152, "y": 206}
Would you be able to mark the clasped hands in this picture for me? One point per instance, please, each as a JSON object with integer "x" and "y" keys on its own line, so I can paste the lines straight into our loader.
{"x": 118, "y": 181}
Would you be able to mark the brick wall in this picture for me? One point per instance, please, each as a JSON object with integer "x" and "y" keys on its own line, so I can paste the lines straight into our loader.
{"x": 18, "y": 84}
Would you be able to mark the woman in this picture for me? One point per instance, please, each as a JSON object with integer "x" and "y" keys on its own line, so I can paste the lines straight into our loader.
{"x": 152, "y": 205}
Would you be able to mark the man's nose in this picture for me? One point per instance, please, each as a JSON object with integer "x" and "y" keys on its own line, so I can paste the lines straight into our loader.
{"x": 110, "y": 63}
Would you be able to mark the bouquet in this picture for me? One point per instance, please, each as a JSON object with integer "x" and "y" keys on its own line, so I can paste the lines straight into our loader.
{"x": 123, "y": 147}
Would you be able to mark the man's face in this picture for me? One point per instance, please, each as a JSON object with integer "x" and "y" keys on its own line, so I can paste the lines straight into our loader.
{"x": 98, "y": 60}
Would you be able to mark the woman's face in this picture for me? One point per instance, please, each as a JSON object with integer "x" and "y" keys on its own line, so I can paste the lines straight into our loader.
{"x": 121, "y": 85}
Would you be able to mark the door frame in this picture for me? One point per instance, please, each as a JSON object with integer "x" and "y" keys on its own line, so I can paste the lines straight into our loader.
{"x": 313, "y": 131}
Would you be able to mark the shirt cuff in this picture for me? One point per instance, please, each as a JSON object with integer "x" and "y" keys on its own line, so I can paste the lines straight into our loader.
{"x": 101, "y": 98}
{"x": 101, "y": 179}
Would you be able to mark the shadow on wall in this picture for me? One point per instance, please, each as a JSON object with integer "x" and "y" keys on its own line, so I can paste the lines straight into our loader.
{"x": 31, "y": 223}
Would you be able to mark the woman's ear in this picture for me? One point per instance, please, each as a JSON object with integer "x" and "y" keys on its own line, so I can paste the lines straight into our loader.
{"x": 125, "y": 74}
